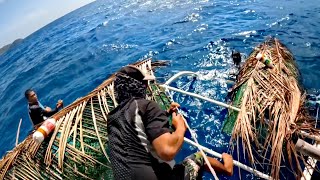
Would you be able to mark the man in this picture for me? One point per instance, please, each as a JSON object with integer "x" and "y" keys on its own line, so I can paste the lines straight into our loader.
{"x": 141, "y": 143}
{"x": 37, "y": 112}
{"x": 236, "y": 57}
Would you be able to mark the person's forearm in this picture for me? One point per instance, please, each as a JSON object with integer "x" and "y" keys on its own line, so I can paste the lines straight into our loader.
{"x": 50, "y": 113}
{"x": 175, "y": 143}
{"x": 179, "y": 136}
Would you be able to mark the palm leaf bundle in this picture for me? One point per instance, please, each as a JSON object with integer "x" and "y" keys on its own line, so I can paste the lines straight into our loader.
{"x": 272, "y": 108}
{"x": 78, "y": 146}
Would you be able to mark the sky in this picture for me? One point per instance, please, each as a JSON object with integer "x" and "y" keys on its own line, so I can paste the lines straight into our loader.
{"x": 20, "y": 18}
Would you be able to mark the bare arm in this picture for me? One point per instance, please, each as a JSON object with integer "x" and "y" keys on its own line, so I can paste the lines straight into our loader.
{"x": 48, "y": 112}
{"x": 226, "y": 167}
{"x": 168, "y": 144}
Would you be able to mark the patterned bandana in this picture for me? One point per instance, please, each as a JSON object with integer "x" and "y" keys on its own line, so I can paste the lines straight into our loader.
{"x": 127, "y": 88}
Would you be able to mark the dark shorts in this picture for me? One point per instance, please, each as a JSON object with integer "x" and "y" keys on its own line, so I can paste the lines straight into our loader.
{"x": 190, "y": 169}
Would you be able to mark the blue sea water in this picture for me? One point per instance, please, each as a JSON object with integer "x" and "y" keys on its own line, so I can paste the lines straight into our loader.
{"x": 72, "y": 55}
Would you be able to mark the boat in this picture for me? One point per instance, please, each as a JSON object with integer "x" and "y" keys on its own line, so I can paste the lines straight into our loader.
{"x": 77, "y": 148}
{"x": 271, "y": 115}
{"x": 266, "y": 114}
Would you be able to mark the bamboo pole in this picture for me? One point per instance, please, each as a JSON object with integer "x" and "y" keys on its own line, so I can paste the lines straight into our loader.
{"x": 303, "y": 133}
{"x": 167, "y": 87}
{"x": 310, "y": 136}
{"x": 302, "y": 146}
{"x": 309, "y": 169}
{"x": 97, "y": 132}
{"x": 307, "y": 149}
{"x": 201, "y": 97}
{"x": 18, "y": 132}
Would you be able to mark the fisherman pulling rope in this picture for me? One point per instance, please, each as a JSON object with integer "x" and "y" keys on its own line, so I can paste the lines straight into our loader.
{"x": 141, "y": 143}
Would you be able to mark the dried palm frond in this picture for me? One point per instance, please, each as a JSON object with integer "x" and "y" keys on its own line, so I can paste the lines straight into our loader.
{"x": 78, "y": 146}
{"x": 271, "y": 103}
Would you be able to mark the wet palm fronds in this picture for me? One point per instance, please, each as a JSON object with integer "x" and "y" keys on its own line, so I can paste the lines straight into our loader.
{"x": 78, "y": 146}
{"x": 271, "y": 102}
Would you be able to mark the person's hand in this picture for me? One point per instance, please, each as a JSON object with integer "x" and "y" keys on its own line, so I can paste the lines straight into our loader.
{"x": 228, "y": 163}
{"x": 47, "y": 109}
{"x": 59, "y": 104}
{"x": 177, "y": 121}
{"x": 173, "y": 107}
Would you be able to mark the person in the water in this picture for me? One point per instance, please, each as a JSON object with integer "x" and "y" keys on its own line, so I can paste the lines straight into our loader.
{"x": 236, "y": 57}
{"x": 37, "y": 112}
{"x": 141, "y": 144}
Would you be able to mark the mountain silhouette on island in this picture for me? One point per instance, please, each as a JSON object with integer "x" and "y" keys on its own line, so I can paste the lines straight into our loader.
{"x": 9, "y": 46}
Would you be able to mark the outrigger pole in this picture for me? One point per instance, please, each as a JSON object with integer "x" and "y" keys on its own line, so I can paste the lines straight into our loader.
{"x": 201, "y": 97}
{"x": 192, "y": 133}
{"x": 236, "y": 163}
{"x": 303, "y": 133}
{"x": 196, "y": 144}
{"x": 311, "y": 151}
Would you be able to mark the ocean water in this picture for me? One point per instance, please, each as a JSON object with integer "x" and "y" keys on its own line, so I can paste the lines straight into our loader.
{"x": 72, "y": 55}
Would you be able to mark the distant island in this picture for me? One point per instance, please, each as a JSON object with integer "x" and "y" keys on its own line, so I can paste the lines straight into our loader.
{"x": 9, "y": 46}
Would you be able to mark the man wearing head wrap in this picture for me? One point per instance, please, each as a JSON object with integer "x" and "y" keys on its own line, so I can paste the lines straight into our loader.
{"x": 141, "y": 144}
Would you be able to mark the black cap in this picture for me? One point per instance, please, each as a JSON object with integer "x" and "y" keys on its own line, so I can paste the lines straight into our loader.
{"x": 135, "y": 73}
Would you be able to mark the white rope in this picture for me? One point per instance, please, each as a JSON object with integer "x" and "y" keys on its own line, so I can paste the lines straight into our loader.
{"x": 202, "y": 148}
{"x": 242, "y": 166}
{"x": 196, "y": 141}
{"x": 166, "y": 86}
{"x": 203, "y": 154}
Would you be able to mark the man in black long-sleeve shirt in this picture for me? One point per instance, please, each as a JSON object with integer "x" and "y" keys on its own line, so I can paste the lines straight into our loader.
{"x": 37, "y": 111}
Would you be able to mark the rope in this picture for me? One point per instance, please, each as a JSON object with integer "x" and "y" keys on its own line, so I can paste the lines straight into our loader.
{"x": 196, "y": 141}
{"x": 201, "y": 148}
{"x": 167, "y": 87}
